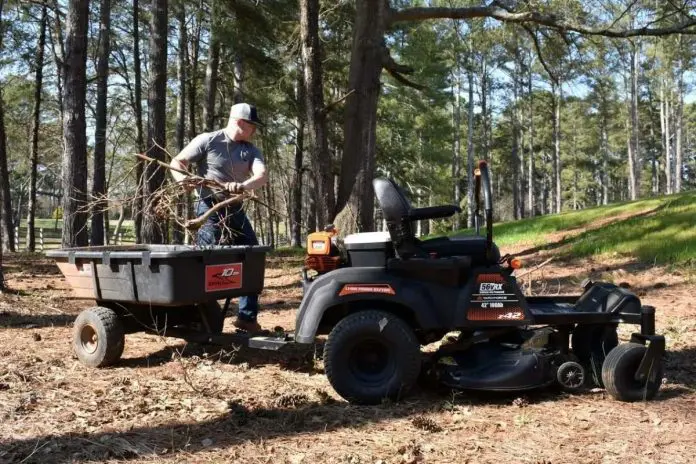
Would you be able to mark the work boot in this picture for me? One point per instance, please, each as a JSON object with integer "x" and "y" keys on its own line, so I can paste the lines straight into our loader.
{"x": 252, "y": 327}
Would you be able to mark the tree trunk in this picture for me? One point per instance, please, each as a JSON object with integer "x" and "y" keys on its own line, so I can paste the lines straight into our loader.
{"x": 633, "y": 155}
{"x": 557, "y": 93}
{"x": 211, "y": 70}
{"x": 57, "y": 47}
{"x": 485, "y": 88}
{"x": 153, "y": 232}
{"x": 74, "y": 126}
{"x": 8, "y": 243}
{"x": 36, "y": 117}
{"x": 238, "y": 96}
{"x": 666, "y": 138}
{"x": 193, "y": 75}
{"x": 182, "y": 204}
{"x": 531, "y": 198}
{"x": 139, "y": 142}
{"x": 470, "y": 141}
{"x": 100, "y": 206}
{"x": 679, "y": 123}
{"x": 457, "y": 145}
{"x": 3, "y": 159}
{"x": 357, "y": 165}
{"x": 517, "y": 206}
{"x": 296, "y": 189}
{"x": 314, "y": 109}
{"x": 605, "y": 159}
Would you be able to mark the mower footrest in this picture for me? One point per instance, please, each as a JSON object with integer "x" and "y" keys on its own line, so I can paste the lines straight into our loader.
{"x": 268, "y": 343}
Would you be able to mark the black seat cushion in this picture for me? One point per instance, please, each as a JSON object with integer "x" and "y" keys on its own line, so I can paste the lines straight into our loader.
{"x": 461, "y": 246}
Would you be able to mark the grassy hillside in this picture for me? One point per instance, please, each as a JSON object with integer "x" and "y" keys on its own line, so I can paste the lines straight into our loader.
{"x": 660, "y": 230}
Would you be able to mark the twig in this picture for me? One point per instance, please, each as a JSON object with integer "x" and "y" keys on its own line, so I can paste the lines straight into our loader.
{"x": 529, "y": 271}
{"x": 200, "y": 220}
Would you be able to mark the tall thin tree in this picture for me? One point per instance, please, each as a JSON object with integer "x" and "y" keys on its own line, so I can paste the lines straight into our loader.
{"x": 36, "y": 114}
{"x": 74, "y": 126}
{"x": 153, "y": 232}
{"x": 139, "y": 138}
{"x": 100, "y": 209}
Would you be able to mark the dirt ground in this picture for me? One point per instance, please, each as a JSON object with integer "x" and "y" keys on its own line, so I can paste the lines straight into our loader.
{"x": 169, "y": 402}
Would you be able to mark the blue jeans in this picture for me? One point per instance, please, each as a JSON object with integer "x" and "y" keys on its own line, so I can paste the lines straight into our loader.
{"x": 229, "y": 226}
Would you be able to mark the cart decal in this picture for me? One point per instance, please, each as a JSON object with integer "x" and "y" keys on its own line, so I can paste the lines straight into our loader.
{"x": 352, "y": 289}
{"x": 220, "y": 277}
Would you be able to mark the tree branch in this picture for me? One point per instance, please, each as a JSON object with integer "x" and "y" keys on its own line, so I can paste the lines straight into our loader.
{"x": 396, "y": 70}
{"x": 537, "y": 47}
{"x": 552, "y": 21}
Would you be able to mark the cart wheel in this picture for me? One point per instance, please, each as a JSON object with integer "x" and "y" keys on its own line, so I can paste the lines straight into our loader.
{"x": 619, "y": 372}
{"x": 212, "y": 312}
{"x": 371, "y": 356}
{"x": 591, "y": 344}
{"x": 98, "y": 337}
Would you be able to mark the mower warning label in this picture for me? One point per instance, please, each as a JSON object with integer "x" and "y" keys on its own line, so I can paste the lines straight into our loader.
{"x": 494, "y": 299}
{"x": 223, "y": 277}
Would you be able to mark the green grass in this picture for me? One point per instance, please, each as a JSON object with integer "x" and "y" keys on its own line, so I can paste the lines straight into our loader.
{"x": 661, "y": 230}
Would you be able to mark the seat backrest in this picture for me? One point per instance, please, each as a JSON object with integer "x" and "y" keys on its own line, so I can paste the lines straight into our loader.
{"x": 396, "y": 209}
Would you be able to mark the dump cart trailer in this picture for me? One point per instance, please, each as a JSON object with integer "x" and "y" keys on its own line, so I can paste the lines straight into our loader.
{"x": 169, "y": 290}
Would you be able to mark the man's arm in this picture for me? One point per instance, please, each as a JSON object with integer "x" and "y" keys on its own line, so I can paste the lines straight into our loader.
{"x": 259, "y": 176}
{"x": 194, "y": 151}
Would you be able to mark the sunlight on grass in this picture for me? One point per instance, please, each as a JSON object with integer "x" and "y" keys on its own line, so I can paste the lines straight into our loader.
{"x": 661, "y": 230}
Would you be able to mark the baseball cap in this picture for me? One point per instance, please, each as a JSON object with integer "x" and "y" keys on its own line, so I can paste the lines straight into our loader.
{"x": 246, "y": 112}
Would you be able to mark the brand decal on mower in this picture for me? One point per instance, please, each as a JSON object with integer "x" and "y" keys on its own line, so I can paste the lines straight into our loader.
{"x": 494, "y": 299}
{"x": 352, "y": 289}
{"x": 511, "y": 316}
{"x": 223, "y": 277}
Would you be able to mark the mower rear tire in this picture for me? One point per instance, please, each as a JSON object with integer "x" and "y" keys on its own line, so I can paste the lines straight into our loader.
{"x": 619, "y": 372}
{"x": 371, "y": 356}
{"x": 591, "y": 344}
{"x": 98, "y": 337}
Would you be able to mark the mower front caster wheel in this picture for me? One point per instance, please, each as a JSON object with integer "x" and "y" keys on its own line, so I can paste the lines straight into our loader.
{"x": 571, "y": 376}
{"x": 371, "y": 356}
{"x": 619, "y": 374}
{"x": 98, "y": 337}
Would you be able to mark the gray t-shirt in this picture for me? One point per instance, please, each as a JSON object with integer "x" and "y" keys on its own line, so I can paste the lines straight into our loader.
{"x": 220, "y": 158}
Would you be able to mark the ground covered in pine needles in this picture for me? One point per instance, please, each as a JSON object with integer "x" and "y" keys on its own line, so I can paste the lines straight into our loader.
{"x": 170, "y": 402}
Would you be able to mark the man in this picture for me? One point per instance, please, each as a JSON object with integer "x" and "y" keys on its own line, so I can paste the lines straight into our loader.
{"x": 229, "y": 157}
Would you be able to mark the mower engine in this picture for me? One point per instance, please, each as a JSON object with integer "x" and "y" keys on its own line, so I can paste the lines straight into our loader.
{"x": 323, "y": 254}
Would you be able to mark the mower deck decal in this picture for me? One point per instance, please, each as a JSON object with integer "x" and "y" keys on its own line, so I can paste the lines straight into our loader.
{"x": 494, "y": 299}
{"x": 223, "y": 277}
{"x": 352, "y": 289}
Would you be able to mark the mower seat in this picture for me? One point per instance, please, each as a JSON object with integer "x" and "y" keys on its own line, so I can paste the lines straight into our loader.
{"x": 399, "y": 215}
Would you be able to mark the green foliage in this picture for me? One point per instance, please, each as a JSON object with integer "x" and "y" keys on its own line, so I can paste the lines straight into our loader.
{"x": 658, "y": 230}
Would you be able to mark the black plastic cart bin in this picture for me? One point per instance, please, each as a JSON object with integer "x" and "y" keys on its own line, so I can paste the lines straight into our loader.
{"x": 162, "y": 274}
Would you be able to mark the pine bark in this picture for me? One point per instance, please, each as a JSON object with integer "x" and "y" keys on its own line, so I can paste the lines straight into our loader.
{"x": 211, "y": 71}
{"x": 36, "y": 117}
{"x": 154, "y": 232}
{"x": 74, "y": 126}
{"x": 139, "y": 137}
{"x": 314, "y": 109}
{"x": 99, "y": 211}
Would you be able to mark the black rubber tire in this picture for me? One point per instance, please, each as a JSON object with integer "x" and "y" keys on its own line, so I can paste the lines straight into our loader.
{"x": 365, "y": 339}
{"x": 591, "y": 344}
{"x": 213, "y": 314}
{"x": 98, "y": 337}
{"x": 619, "y": 370}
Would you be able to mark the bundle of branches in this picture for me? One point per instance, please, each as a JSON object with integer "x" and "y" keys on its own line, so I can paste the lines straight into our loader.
{"x": 163, "y": 204}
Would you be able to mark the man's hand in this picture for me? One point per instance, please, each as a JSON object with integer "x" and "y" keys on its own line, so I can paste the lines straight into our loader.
{"x": 234, "y": 187}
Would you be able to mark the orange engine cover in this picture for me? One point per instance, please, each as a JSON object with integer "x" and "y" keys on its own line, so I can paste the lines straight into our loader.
{"x": 322, "y": 264}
